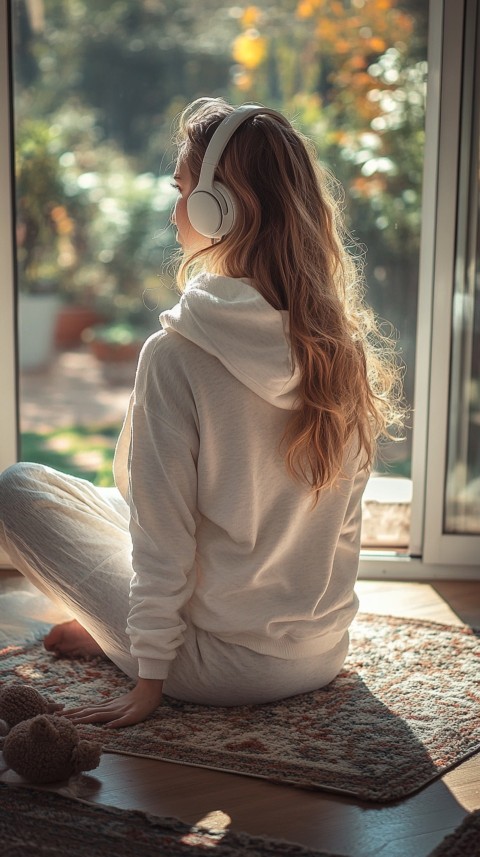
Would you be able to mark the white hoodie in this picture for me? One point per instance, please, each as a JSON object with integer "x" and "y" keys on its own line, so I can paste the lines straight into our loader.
{"x": 222, "y": 536}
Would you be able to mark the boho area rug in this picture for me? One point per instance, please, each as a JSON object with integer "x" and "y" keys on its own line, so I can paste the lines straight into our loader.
{"x": 405, "y": 709}
{"x": 35, "y": 823}
{"x": 464, "y": 842}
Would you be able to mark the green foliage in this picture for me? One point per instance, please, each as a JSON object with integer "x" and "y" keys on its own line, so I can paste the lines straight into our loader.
{"x": 82, "y": 451}
{"x": 119, "y": 333}
{"x": 98, "y": 84}
{"x": 129, "y": 61}
{"x": 127, "y": 237}
{"x": 40, "y": 197}
{"x": 88, "y": 224}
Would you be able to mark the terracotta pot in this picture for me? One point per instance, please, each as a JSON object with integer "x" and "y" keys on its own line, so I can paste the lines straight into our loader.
{"x": 114, "y": 352}
{"x": 71, "y": 322}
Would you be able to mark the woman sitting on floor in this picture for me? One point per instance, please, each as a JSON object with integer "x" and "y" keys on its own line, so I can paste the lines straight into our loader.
{"x": 221, "y": 570}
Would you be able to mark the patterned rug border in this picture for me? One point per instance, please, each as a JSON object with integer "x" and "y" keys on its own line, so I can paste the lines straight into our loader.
{"x": 330, "y": 789}
{"x": 233, "y": 759}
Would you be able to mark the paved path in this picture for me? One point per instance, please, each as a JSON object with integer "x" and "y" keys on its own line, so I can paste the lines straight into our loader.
{"x": 75, "y": 390}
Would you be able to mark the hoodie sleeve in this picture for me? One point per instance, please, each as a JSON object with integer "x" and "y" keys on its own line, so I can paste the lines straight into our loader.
{"x": 163, "y": 493}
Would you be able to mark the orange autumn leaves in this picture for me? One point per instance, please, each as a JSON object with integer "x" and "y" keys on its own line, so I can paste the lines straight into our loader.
{"x": 250, "y": 48}
{"x": 341, "y": 39}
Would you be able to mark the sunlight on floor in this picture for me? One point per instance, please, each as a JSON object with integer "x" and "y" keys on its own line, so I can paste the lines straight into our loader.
{"x": 463, "y": 784}
{"x": 412, "y": 600}
{"x": 215, "y": 822}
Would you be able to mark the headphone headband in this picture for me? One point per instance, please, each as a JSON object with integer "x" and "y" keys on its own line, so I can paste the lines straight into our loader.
{"x": 210, "y": 206}
{"x": 227, "y": 129}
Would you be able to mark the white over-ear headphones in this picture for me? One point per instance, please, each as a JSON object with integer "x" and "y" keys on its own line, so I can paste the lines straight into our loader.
{"x": 211, "y": 206}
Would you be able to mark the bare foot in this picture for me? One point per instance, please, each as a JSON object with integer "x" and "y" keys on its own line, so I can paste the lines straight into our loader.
{"x": 71, "y": 640}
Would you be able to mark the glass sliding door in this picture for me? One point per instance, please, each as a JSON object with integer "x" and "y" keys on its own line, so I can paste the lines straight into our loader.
{"x": 93, "y": 89}
{"x": 462, "y": 495}
{"x": 96, "y": 88}
{"x": 453, "y": 480}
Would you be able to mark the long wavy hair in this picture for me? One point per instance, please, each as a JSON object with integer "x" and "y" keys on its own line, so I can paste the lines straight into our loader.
{"x": 289, "y": 239}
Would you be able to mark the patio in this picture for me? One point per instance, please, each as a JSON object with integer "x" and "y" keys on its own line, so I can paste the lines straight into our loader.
{"x": 76, "y": 390}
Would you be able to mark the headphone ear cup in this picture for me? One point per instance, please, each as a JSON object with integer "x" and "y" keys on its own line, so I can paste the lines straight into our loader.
{"x": 228, "y": 209}
{"x": 211, "y": 212}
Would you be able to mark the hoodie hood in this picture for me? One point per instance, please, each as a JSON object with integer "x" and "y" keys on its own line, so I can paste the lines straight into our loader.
{"x": 231, "y": 320}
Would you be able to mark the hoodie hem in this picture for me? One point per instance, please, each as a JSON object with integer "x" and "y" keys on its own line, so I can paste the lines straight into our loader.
{"x": 287, "y": 649}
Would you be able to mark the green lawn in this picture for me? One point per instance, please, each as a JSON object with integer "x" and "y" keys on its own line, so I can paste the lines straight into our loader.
{"x": 85, "y": 451}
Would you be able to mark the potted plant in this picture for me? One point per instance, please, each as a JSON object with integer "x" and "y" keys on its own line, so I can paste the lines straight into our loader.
{"x": 115, "y": 342}
{"x": 43, "y": 235}
{"x": 84, "y": 305}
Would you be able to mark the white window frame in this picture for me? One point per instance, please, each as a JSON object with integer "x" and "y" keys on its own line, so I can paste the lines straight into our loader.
{"x": 432, "y": 554}
{"x": 8, "y": 368}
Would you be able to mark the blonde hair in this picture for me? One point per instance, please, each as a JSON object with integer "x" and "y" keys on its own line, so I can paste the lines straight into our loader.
{"x": 290, "y": 241}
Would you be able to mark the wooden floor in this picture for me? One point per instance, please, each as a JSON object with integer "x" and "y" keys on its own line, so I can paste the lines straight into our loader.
{"x": 410, "y": 828}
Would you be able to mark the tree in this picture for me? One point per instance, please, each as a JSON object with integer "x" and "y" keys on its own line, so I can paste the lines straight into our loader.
{"x": 352, "y": 75}
{"x": 134, "y": 63}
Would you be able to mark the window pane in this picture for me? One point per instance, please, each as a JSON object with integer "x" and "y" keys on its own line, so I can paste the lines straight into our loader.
{"x": 462, "y": 509}
{"x": 97, "y": 86}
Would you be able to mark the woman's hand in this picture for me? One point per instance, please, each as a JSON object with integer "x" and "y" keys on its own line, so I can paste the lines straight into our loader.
{"x": 126, "y": 710}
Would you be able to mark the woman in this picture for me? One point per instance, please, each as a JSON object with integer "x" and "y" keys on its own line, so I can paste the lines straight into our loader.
{"x": 222, "y": 568}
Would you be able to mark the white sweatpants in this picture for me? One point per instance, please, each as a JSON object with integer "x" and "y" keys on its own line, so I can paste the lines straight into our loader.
{"x": 72, "y": 541}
